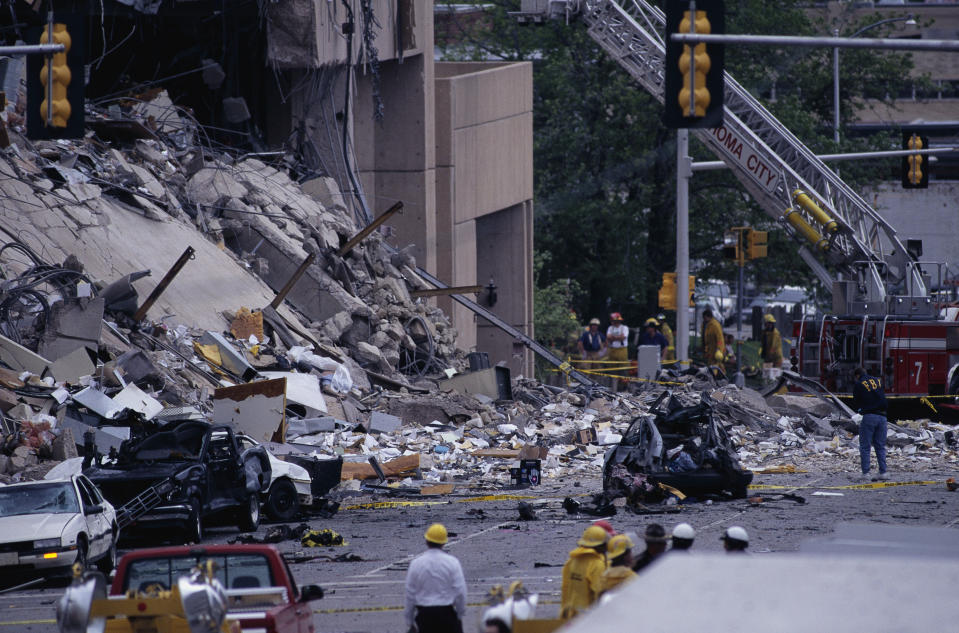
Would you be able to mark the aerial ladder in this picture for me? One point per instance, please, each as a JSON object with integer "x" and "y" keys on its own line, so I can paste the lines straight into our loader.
{"x": 877, "y": 277}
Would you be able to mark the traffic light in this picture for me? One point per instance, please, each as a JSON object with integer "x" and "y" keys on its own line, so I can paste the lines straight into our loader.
{"x": 694, "y": 81}
{"x": 915, "y": 167}
{"x": 68, "y": 81}
{"x": 667, "y": 292}
{"x": 732, "y": 245}
{"x": 756, "y": 242}
{"x": 60, "y": 74}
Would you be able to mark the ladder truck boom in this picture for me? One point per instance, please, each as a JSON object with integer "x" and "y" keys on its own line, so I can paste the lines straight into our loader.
{"x": 782, "y": 175}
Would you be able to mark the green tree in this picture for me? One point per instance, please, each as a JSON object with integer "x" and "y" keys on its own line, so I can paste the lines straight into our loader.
{"x": 605, "y": 165}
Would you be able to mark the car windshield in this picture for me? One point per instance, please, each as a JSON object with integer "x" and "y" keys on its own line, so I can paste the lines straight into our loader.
{"x": 184, "y": 442}
{"x": 53, "y": 498}
{"x": 244, "y": 571}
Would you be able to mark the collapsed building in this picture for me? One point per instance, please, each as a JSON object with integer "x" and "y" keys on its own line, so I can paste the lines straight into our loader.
{"x": 165, "y": 268}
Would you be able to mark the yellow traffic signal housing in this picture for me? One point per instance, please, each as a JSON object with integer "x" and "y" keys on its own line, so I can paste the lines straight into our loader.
{"x": 756, "y": 244}
{"x": 61, "y": 78}
{"x": 694, "y": 73}
{"x": 667, "y": 292}
{"x": 732, "y": 245}
{"x": 915, "y": 167}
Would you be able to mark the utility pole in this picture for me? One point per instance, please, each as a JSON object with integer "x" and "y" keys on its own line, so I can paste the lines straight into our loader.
{"x": 683, "y": 173}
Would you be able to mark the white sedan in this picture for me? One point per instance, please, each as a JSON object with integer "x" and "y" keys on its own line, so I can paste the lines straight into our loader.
{"x": 49, "y": 525}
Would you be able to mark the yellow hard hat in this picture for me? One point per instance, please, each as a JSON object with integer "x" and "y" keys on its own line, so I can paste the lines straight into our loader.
{"x": 593, "y": 536}
{"x": 436, "y": 533}
{"x": 719, "y": 356}
{"x": 769, "y": 318}
{"x": 651, "y": 322}
{"x": 618, "y": 545}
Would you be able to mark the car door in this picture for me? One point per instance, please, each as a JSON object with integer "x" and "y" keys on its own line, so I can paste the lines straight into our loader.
{"x": 98, "y": 523}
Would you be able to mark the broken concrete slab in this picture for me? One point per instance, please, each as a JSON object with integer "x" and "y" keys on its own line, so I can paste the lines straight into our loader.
{"x": 133, "y": 398}
{"x": 19, "y": 357}
{"x": 303, "y": 390}
{"x": 493, "y": 383}
{"x": 799, "y": 405}
{"x": 73, "y": 366}
{"x": 384, "y": 422}
{"x": 256, "y": 408}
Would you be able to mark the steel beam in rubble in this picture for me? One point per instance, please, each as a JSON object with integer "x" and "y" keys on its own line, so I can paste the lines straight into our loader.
{"x": 509, "y": 329}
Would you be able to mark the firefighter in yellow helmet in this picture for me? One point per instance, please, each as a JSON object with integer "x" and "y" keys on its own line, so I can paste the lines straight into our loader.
{"x": 772, "y": 342}
{"x": 714, "y": 343}
{"x": 620, "y": 554}
{"x": 583, "y": 572}
{"x": 668, "y": 333}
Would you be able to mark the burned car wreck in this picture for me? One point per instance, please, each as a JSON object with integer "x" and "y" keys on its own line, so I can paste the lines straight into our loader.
{"x": 683, "y": 447}
{"x": 186, "y": 475}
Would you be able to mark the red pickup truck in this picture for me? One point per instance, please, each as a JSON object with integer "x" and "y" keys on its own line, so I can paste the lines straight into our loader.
{"x": 262, "y": 595}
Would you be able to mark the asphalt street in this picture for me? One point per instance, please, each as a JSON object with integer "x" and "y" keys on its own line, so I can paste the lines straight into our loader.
{"x": 495, "y": 547}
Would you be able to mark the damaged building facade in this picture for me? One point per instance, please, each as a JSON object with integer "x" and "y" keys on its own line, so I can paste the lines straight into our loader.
{"x": 451, "y": 141}
{"x": 345, "y": 98}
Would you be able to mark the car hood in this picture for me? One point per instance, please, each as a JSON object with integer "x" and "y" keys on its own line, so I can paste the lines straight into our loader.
{"x": 137, "y": 470}
{"x": 33, "y": 526}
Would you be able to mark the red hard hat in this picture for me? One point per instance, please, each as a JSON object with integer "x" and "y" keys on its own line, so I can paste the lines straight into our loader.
{"x": 603, "y": 523}
{"x": 616, "y": 316}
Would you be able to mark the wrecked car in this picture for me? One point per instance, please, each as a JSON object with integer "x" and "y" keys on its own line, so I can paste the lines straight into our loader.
{"x": 47, "y": 526}
{"x": 289, "y": 488}
{"x": 213, "y": 479}
{"x": 683, "y": 447}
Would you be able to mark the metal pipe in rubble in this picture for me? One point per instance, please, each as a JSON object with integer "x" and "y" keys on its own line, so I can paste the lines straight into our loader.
{"x": 683, "y": 173}
{"x": 173, "y": 272}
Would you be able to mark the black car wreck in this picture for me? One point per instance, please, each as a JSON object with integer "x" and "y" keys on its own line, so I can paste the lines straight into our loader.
{"x": 183, "y": 476}
{"x": 683, "y": 447}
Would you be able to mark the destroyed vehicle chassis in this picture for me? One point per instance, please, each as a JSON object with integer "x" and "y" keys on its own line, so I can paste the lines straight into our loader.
{"x": 643, "y": 452}
{"x": 214, "y": 480}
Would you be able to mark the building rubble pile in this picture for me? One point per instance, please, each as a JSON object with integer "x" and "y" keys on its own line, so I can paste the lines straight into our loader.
{"x": 118, "y": 378}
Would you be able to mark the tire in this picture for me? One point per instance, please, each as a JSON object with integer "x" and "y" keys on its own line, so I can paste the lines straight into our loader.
{"x": 109, "y": 560}
{"x": 249, "y": 518}
{"x": 194, "y": 529}
{"x": 82, "y": 552}
{"x": 282, "y": 502}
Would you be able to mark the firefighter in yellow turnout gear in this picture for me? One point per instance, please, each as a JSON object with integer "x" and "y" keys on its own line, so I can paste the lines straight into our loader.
{"x": 714, "y": 343}
{"x": 670, "y": 340}
{"x": 583, "y": 572}
{"x": 772, "y": 342}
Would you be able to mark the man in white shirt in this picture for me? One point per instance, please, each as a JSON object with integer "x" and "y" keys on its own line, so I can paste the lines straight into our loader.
{"x": 435, "y": 588}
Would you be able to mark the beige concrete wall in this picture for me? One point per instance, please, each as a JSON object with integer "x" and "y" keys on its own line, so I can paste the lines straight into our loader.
{"x": 503, "y": 254}
{"x": 396, "y": 155}
{"x": 484, "y": 157}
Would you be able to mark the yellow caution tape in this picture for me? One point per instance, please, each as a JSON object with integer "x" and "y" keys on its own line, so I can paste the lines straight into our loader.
{"x": 336, "y": 611}
{"x": 928, "y": 403}
{"x": 415, "y": 504}
{"x": 565, "y": 367}
{"x": 869, "y": 486}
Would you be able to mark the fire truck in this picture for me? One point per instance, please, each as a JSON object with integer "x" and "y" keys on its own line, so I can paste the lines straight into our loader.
{"x": 884, "y": 316}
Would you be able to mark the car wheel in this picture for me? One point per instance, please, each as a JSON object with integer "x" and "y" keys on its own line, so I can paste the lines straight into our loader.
{"x": 250, "y": 514}
{"x": 109, "y": 560}
{"x": 81, "y": 552}
{"x": 282, "y": 502}
{"x": 194, "y": 528}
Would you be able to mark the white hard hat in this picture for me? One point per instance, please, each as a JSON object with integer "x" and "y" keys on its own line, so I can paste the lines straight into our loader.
{"x": 684, "y": 530}
{"x": 736, "y": 533}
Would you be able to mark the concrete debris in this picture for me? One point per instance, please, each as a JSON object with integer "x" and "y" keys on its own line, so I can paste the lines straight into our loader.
{"x": 362, "y": 362}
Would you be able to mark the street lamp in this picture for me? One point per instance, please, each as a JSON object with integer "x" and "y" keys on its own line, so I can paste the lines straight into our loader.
{"x": 909, "y": 20}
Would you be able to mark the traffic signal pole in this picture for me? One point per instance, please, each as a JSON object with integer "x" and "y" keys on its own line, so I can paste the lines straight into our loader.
{"x": 683, "y": 173}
